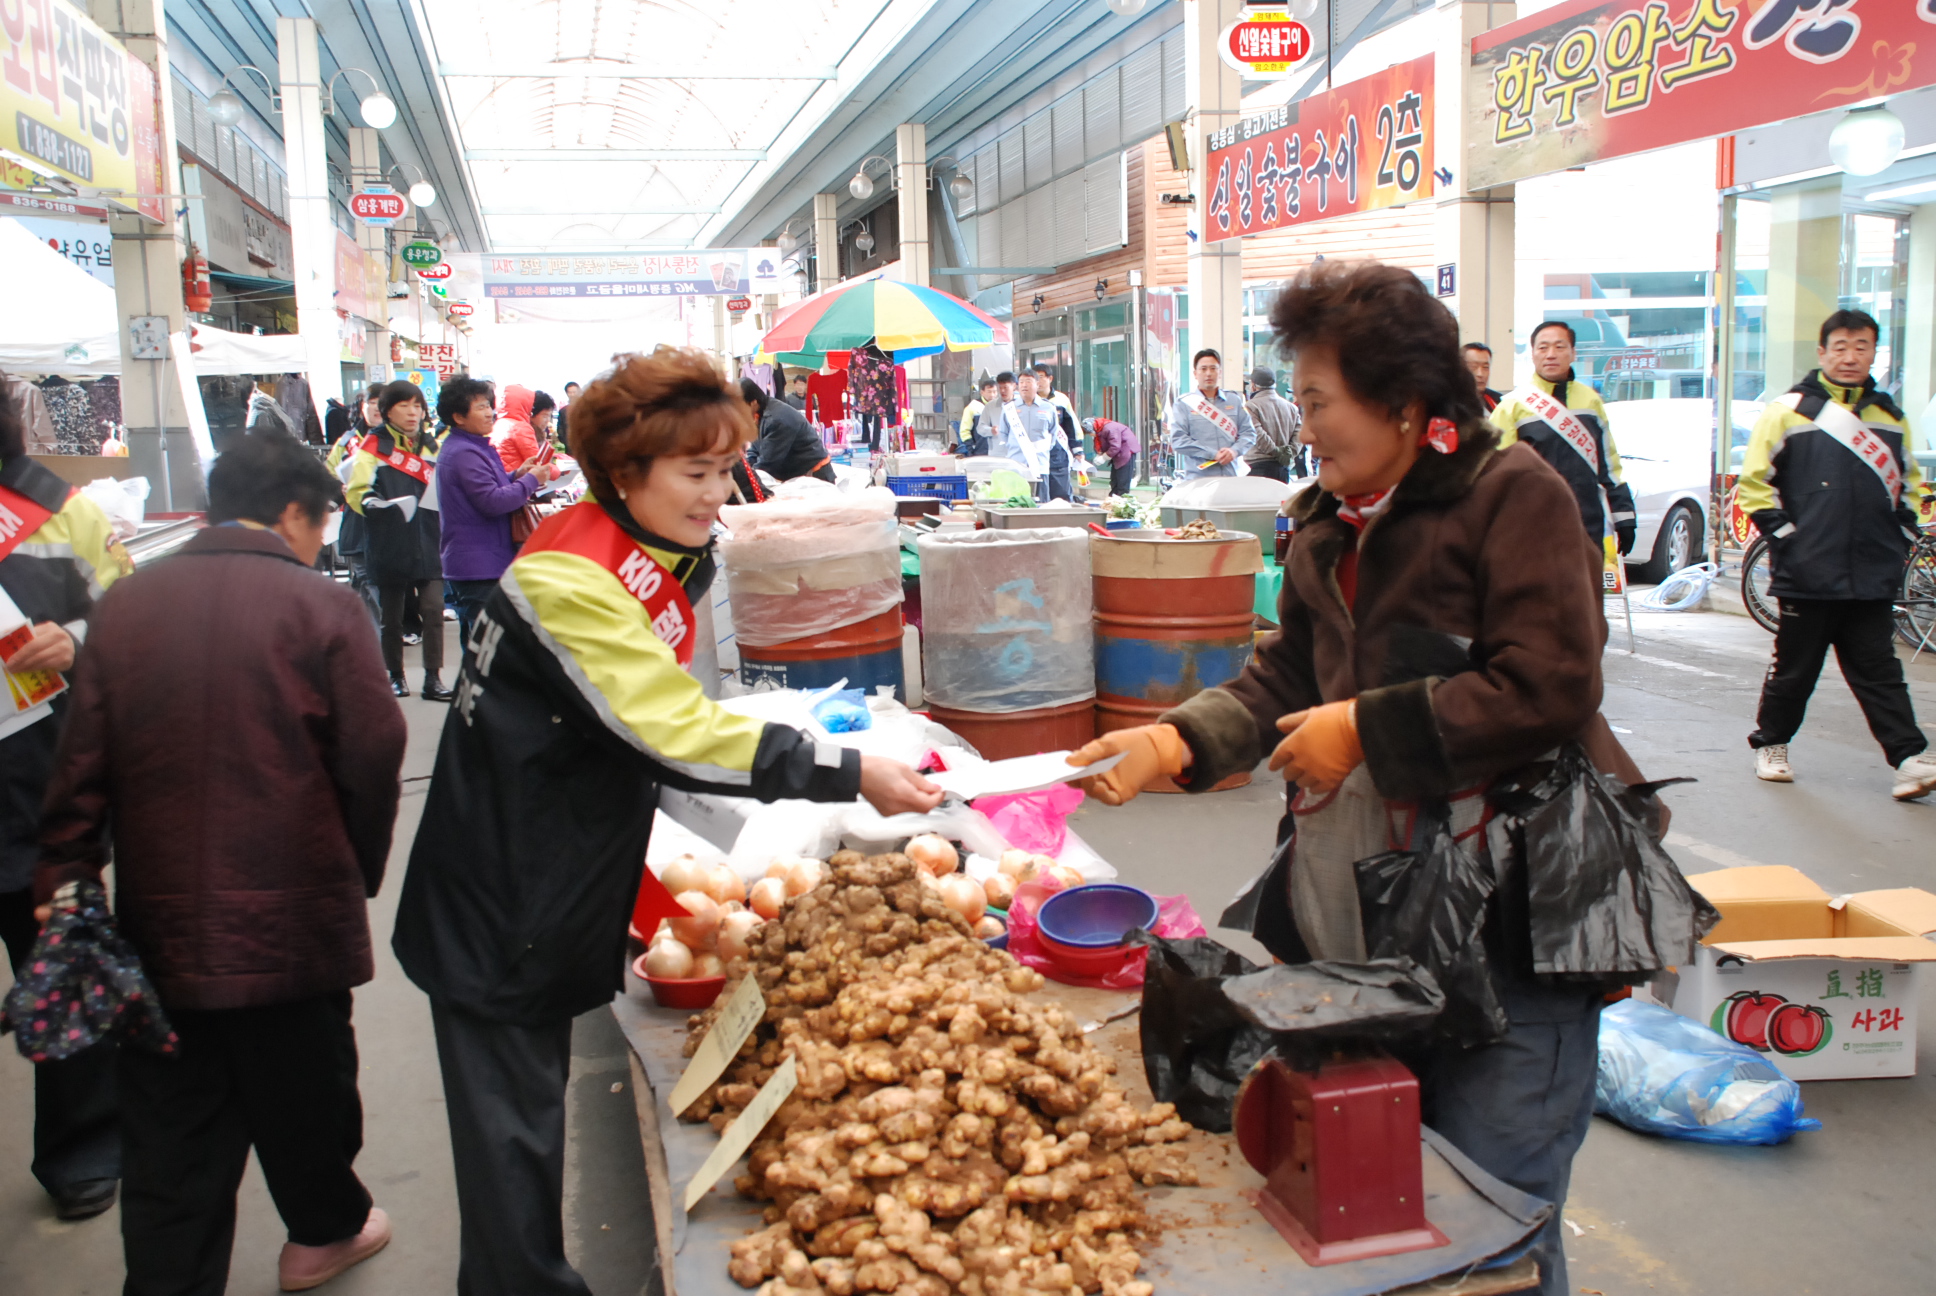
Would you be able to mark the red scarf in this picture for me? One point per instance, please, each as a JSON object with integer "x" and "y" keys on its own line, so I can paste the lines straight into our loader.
{"x": 20, "y": 517}
{"x": 587, "y": 530}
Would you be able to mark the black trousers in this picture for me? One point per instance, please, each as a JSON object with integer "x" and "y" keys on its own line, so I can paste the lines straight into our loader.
{"x": 1271, "y": 469}
{"x": 281, "y": 1079}
{"x": 870, "y": 427}
{"x": 365, "y": 587}
{"x": 397, "y": 599}
{"x": 504, "y": 1091}
{"x": 468, "y": 597}
{"x": 77, "y": 1122}
{"x": 1122, "y": 477}
{"x": 1862, "y": 632}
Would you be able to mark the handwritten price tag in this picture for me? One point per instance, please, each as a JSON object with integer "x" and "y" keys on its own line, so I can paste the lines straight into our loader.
{"x": 740, "y": 1134}
{"x": 716, "y": 1052}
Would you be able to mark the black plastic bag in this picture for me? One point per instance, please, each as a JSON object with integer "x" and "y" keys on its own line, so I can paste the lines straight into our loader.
{"x": 1209, "y": 1014}
{"x": 1605, "y": 902}
{"x": 82, "y": 984}
{"x": 1430, "y": 905}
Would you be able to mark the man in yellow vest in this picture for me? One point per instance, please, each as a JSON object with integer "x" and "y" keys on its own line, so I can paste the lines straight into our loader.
{"x": 1563, "y": 419}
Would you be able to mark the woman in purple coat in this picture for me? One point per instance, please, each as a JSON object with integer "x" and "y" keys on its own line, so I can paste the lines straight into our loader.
{"x": 478, "y": 498}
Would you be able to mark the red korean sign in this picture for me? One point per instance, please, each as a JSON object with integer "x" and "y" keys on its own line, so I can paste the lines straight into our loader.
{"x": 442, "y": 270}
{"x": 378, "y": 206}
{"x": 459, "y": 309}
{"x": 739, "y": 305}
{"x": 1265, "y": 43}
{"x": 1593, "y": 79}
{"x": 1359, "y": 147}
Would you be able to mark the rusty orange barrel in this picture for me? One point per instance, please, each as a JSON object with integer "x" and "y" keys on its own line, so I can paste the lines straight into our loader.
{"x": 1173, "y": 617}
{"x": 867, "y": 654}
{"x": 1000, "y": 735}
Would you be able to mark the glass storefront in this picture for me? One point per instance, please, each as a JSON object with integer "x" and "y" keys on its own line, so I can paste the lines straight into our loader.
{"x": 1802, "y": 249}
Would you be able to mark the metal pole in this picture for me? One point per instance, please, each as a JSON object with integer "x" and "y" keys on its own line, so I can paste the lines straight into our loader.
{"x": 1723, "y": 368}
{"x": 1138, "y": 357}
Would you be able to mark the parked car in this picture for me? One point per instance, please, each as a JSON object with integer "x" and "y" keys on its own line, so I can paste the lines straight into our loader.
{"x": 1667, "y": 450}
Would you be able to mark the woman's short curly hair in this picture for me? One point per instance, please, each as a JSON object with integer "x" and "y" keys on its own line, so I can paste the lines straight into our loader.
{"x": 670, "y": 402}
{"x": 1396, "y": 343}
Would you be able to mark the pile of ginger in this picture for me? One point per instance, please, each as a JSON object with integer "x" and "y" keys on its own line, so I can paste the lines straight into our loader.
{"x": 946, "y": 1134}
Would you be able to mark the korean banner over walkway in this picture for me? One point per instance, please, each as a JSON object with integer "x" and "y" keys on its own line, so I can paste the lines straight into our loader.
{"x": 1593, "y": 79}
{"x": 1359, "y": 147}
{"x": 704, "y": 272}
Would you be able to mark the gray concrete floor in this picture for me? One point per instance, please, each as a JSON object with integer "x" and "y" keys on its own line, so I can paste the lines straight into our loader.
{"x": 406, "y": 1148}
{"x": 1839, "y": 1211}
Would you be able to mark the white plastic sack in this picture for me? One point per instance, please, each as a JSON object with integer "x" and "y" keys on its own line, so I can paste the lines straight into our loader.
{"x": 125, "y": 502}
{"x": 1007, "y": 619}
{"x": 810, "y": 562}
{"x": 1226, "y": 492}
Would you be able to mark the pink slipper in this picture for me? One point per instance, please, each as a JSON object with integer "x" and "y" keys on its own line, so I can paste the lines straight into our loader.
{"x": 303, "y": 1267}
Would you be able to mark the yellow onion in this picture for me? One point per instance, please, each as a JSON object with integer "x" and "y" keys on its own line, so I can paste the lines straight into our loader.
{"x": 963, "y": 895}
{"x": 1018, "y": 864}
{"x": 669, "y": 959}
{"x": 722, "y": 884}
{"x": 708, "y": 965}
{"x": 683, "y": 874}
{"x": 933, "y": 854}
{"x": 778, "y": 868}
{"x": 1066, "y": 877}
{"x": 989, "y": 927}
{"x": 1000, "y": 890}
{"x": 766, "y": 897}
{"x": 804, "y": 876}
{"x": 701, "y": 929}
{"x": 736, "y": 932}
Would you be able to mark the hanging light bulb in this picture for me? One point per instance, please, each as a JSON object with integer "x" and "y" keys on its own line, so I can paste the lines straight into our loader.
{"x": 860, "y": 186}
{"x": 1866, "y": 140}
{"x": 423, "y": 194}
{"x": 961, "y": 187}
{"x": 379, "y": 110}
{"x": 225, "y": 107}
{"x": 864, "y": 241}
{"x": 787, "y": 243}
{"x": 1127, "y": 8}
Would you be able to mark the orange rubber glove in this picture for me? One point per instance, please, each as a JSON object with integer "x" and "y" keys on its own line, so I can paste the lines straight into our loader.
{"x": 1322, "y": 748}
{"x": 1149, "y": 752}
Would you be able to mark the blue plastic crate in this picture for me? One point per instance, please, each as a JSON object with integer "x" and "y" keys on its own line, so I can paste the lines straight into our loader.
{"x": 952, "y": 488}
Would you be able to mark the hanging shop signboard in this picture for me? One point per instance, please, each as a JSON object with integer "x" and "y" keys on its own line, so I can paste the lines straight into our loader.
{"x": 459, "y": 309}
{"x": 422, "y": 255}
{"x": 74, "y": 102}
{"x": 1265, "y": 43}
{"x": 378, "y": 204}
{"x": 702, "y": 272}
{"x": 436, "y": 273}
{"x": 1359, "y": 147}
{"x": 1594, "y": 79}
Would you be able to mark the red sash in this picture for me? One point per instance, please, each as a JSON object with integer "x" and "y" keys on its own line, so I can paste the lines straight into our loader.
{"x": 587, "y": 530}
{"x": 20, "y": 517}
{"x": 408, "y": 464}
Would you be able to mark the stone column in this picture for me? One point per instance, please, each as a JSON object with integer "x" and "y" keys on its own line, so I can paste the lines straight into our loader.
{"x": 826, "y": 241}
{"x": 1474, "y": 228}
{"x": 1919, "y": 335}
{"x": 911, "y": 174}
{"x": 148, "y": 285}
{"x": 1214, "y": 93}
{"x": 366, "y": 166}
{"x": 1804, "y": 275}
{"x": 312, "y": 235}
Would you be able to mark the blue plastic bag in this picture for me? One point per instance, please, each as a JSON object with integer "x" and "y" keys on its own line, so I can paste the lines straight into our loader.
{"x": 1662, "y": 1073}
{"x": 843, "y": 711}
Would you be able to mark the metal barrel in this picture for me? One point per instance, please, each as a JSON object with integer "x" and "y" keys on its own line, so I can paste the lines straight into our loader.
{"x": 867, "y": 654}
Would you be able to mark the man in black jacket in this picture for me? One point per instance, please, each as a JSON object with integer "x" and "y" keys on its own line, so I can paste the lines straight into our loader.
{"x": 788, "y": 447}
{"x": 1837, "y": 548}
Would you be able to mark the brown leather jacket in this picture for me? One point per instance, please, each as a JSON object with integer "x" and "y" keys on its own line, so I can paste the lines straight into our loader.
{"x": 1473, "y": 646}
{"x": 230, "y": 720}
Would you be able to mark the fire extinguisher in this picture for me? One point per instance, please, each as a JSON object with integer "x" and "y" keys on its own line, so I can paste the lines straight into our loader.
{"x": 196, "y": 294}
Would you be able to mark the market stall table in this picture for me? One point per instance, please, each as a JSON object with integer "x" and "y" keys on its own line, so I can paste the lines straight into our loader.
{"x": 1213, "y": 1242}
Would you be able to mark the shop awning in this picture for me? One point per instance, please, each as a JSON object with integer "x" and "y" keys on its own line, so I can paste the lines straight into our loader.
{"x": 253, "y": 283}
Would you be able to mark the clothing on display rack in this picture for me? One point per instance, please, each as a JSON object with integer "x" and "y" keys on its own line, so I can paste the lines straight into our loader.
{"x": 870, "y": 384}
{"x": 827, "y": 397}
{"x": 74, "y": 430}
{"x": 104, "y": 403}
{"x": 31, "y": 405}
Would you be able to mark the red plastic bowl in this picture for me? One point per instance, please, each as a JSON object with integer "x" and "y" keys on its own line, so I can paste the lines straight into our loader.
{"x": 1082, "y": 960}
{"x": 684, "y": 992}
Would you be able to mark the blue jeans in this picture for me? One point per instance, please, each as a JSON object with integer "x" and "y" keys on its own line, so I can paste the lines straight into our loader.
{"x": 1520, "y": 1107}
{"x": 468, "y": 597}
{"x": 1060, "y": 483}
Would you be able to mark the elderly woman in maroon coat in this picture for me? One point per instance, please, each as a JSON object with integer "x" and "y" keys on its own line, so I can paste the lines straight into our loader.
{"x": 1441, "y": 629}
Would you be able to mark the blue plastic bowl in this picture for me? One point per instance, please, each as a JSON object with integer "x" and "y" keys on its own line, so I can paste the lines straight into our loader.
{"x": 1123, "y": 524}
{"x": 1096, "y": 916}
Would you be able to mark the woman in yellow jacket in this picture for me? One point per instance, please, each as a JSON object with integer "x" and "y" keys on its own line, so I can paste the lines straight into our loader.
{"x": 574, "y": 707}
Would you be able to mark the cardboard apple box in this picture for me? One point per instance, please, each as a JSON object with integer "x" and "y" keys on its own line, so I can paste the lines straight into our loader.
{"x": 1824, "y": 987}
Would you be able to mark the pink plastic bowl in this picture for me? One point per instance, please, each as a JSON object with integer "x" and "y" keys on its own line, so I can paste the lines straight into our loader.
{"x": 685, "y": 992}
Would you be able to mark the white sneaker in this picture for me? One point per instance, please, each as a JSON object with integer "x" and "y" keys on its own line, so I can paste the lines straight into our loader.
{"x": 1771, "y": 764}
{"x": 1916, "y": 777}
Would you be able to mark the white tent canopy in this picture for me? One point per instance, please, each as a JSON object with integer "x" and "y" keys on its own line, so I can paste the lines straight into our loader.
{"x": 71, "y": 325}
